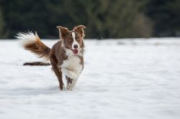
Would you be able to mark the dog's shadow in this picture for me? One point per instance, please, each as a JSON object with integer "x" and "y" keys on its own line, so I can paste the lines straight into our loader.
{"x": 25, "y": 91}
{"x": 31, "y": 91}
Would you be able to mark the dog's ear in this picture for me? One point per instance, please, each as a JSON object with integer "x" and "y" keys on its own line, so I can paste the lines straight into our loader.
{"x": 80, "y": 29}
{"x": 63, "y": 31}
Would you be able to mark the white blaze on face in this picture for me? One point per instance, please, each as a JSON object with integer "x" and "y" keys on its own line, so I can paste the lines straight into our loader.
{"x": 74, "y": 41}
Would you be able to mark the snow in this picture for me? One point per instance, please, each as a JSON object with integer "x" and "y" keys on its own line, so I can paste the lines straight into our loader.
{"x": 122, "y": 79}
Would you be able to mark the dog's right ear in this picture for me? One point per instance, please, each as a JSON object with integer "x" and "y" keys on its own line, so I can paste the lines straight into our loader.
{"x": 63, "y": 31}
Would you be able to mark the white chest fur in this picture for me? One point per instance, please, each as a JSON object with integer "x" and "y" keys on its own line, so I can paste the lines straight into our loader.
{"x": 71, "y": 67}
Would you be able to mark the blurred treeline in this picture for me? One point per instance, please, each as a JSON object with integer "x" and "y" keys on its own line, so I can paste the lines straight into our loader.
{"x": 103, "y": 18}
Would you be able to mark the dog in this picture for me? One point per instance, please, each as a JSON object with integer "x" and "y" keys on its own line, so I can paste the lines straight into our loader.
{"x": 66, "y": 56}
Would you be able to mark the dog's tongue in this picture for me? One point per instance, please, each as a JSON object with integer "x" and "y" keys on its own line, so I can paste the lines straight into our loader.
{"x": 75, "y": 51}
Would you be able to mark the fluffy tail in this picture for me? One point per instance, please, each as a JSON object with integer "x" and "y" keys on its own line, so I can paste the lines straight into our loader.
{"x": 33, "y": 43}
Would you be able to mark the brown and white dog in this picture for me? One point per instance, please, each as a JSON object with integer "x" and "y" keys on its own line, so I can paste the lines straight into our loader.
{"x": 66, "y": 56}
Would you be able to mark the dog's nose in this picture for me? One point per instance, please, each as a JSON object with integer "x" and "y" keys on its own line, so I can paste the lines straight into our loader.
{"x": 75, "y": 46}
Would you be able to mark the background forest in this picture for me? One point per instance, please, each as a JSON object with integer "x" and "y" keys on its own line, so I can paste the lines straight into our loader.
{"x": 103, "y": 18}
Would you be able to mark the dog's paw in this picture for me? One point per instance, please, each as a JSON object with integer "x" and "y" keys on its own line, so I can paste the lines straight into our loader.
{"x": 69, "y": 87}
{"x": 61, "y": 87}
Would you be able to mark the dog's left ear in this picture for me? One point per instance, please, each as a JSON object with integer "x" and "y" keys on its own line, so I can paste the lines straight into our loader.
{"x": 80, "y": 29}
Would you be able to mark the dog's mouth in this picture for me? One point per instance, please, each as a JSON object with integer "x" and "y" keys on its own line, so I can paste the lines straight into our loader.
{"x": 75, "y": 51}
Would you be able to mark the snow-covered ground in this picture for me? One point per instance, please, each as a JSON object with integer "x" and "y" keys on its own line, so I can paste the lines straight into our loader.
{"x": 122, "y": 79}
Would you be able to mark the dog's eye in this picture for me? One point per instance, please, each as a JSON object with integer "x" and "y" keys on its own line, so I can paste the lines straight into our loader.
{"x": 77, "y": 38}
{"x": 69, "y": 40}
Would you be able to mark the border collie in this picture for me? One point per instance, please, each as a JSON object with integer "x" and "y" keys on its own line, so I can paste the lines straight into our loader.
{"x": 66, "y": 56}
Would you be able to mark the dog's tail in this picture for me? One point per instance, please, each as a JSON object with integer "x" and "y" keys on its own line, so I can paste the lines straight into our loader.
{"x": 33, "y": 43}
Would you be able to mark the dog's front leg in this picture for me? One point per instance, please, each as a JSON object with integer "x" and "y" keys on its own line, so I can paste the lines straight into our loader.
{"x": 58, "y": 73}
{"x": 74, "y": 83}
{"x": 71, "y": 77}
{"x": 69, "y": 83}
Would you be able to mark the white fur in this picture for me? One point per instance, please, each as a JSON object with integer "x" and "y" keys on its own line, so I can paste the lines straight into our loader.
{"x": 74, "y": 41}
{"x": 70, "y": 86}
{"x": 69, "y": 73}
{"x": 70, "y": 53}
{"x": 80, "y": 52}
{"x": 71, "y": 67}
{"x": 26, "y": 38}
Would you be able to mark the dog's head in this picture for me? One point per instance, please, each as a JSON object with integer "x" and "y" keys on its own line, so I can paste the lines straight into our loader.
{"x": 73, "y": 40}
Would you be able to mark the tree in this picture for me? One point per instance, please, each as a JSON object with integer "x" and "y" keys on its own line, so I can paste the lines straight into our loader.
{"x": 110, "y": 18}
{"x": 166, "y": 17}
{"x": 2, "y": 24}
{"x": 103, "y": 18}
